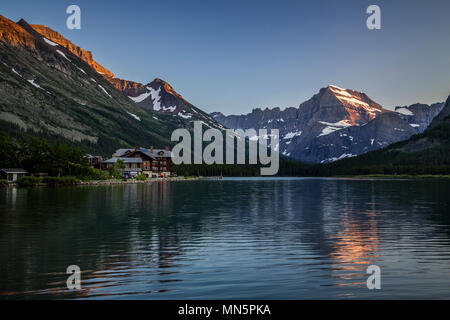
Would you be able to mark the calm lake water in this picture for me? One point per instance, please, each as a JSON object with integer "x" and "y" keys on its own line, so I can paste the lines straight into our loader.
{"x": 228, "y": 239}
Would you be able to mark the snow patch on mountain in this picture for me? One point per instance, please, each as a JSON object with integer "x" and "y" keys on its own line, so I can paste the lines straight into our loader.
{"x": 291, "y": 135}
{"x": 80, "y": 69}
{"x": 342, "y": 94}
{"x": 186, "y": 116}
{"x": 354, "y": 101}
{"x": 37, "y": 86}
{"x": 134, "y": 116}
{"x": 140, "y": 97}
{"x": 13, "y": 70}
{"x": 342, "y": 156}
{"x": 106, "y": 92}
{"x": 50, "y": 42}
{"x": 156, "y": 97}
{"x": 63, "y": 55}
{"x": 171, "y": 109}
{"x": 404, "y": 111}
{"x": 332, "y": 127}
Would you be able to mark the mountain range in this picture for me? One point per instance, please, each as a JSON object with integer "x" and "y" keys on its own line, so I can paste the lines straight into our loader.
{"x": 424, "y": 153}
{"x": 157, "y": 95}
{"x": 335, "y": 123}
{"x": 53, "y": 88}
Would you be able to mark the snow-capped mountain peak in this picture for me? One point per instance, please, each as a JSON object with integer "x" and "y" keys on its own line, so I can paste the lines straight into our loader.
{"x": 360, "y": 107}
{"x": 333, "y": 124}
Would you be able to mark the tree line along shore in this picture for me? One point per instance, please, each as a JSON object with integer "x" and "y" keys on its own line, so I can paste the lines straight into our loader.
{"x": 67, "y": 164}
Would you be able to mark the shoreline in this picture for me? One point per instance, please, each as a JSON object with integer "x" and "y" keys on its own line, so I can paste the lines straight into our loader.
{"x": 153, "y": 180}
{"x": 107, "y": 182}
{"x": 132, "y": 181}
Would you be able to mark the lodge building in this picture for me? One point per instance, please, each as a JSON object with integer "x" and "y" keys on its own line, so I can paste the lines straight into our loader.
{"x": 149, "y": 161}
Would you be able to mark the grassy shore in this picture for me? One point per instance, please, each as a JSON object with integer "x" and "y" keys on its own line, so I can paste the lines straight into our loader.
{"x": 72, "y": 181}
{"x": 134, "y": 181}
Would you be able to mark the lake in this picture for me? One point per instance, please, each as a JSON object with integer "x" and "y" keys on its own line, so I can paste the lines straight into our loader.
{"x": 277, "y": 238}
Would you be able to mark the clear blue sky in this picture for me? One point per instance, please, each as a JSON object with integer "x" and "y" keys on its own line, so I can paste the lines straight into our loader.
{"x": 232, "y": 56}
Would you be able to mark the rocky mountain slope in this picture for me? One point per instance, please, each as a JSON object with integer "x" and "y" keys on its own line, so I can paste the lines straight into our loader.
{"x": 86, "y": 56}
{"x": 157, "y": 95}
{"x": 47, "y": 90}
{"x": 443, "y": 116}
{"x": 424, "y": 153}
{"x": 335, "y": 123}
{"x": 55, "y": 89}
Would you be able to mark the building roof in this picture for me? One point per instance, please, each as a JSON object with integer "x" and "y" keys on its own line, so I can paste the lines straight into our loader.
{"x": 154, "y": 154}
{"x": 165, "y": 153}
{"x": 90, "y": 156}
{"x": 125, "y": 160}
{"x": 12, "y": 170}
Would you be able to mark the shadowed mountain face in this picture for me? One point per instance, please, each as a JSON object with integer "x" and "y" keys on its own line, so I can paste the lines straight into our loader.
{"x": 443, "y": 116}
{"x": 335, "y": 123}
{"x": 419, "y": 115}
{"x": 53, "y": 88}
